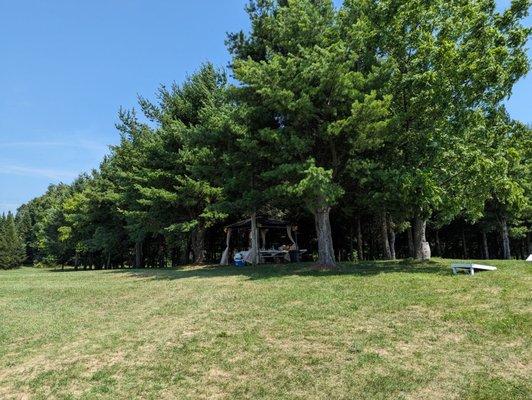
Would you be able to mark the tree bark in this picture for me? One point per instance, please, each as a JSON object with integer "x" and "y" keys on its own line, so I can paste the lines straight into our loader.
{"x": 360, "y": 244}
{"x": 421, "y": 246}
{"x": 438, "y": 244}
{"x": 391, "y": 237}
{"x": 325, "y": 243}
{"x": 254, "y": 240}
{"x": 198, "y": 244}
{"x": 506, "y": 252}
{"x": 139, "y": 259}
{"x": 351, "y": 242}
{"x": 386, "y": 253}
{"x": 410, "y": 242}
{"x": 485, "y": 247}
{"x": 161, "y": 253}
{"x": 187, "y": 256}
{"x": 174, "y": 256}
{"x": 464, "y": 245}
{"x": 529, "y": 243}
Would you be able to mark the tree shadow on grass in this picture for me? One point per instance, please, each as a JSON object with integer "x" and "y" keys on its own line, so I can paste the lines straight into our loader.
{"x": 279, "y": 270}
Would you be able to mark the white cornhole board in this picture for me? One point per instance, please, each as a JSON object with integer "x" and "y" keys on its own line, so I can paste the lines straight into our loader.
{"x": 529, "y": 258}
{"x": 470, "y": 268}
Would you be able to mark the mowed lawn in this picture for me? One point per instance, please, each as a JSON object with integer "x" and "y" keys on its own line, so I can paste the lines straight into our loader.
{"x": 390, "y": 330}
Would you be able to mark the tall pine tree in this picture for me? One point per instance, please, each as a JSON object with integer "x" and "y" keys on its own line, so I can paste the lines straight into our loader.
{"x": 12, "y": 250}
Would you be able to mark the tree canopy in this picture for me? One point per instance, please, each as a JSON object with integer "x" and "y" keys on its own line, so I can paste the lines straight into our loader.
{"x": 378, "y": 123}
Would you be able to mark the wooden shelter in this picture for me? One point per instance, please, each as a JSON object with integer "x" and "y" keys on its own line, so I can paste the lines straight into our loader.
{"x": 263, "y": 227}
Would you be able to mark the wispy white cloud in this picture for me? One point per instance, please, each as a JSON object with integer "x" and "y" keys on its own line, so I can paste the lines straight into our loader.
{"x": 79, "y": 144}
{"x": 49, "y": 173}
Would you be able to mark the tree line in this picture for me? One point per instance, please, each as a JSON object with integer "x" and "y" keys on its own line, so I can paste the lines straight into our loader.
{"x": 378, "y": 126}
{"x": 12, "y": 249}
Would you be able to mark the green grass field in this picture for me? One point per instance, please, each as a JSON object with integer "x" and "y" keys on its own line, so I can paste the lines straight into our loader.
{"x": 393, "y": 330}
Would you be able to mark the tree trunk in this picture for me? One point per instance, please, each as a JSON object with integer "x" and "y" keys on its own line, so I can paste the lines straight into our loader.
{"x": 529, "y": 243}
{"x": 438, "y": 244}
{"x": 187, "y": 255}
{"x": 139, "y": 260}
{"x": 391, "y": 237}
{"x": 174, "y": 256}
{"x": 485, "y": 248}
{"x": 198, "y": 244}
{"x": 506, "y": 253}
{"x": 421, "y": 246}
{"x": 254, "y": 240}
{"x": 325, "y": 243}
{"x": 464, "y": 245}
{"x": 360, "y": 244}
{"x": 386, "y": 253}
{"x": 162, "y": 254}
{"x": 351, "y": 242}
{"x": 410, "y": 242}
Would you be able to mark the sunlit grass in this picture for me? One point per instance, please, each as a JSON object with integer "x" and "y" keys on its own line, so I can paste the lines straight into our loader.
{"x": 386, "y": 330}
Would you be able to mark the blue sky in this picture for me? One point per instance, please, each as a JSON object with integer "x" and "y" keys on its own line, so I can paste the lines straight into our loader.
{"x": 67, "y": 66}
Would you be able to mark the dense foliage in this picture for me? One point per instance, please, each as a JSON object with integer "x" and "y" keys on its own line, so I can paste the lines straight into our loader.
{"x": 380, "y": 124}
{"x": 12, "y": 250}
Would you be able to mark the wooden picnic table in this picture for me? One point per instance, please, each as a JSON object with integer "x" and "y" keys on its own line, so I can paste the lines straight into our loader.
{"x": 279, "y": 254}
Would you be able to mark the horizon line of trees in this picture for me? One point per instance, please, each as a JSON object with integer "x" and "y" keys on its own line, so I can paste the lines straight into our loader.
{"x": 380, "y": 125}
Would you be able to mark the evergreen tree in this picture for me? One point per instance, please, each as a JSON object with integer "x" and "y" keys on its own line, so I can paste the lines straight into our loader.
{"x": 307, "y": 88}
{"x": 12, "y": 251}
{"x": 161, "y": 189}
{"x": 4, "y": 248}
{"x": 176, "y": 181}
